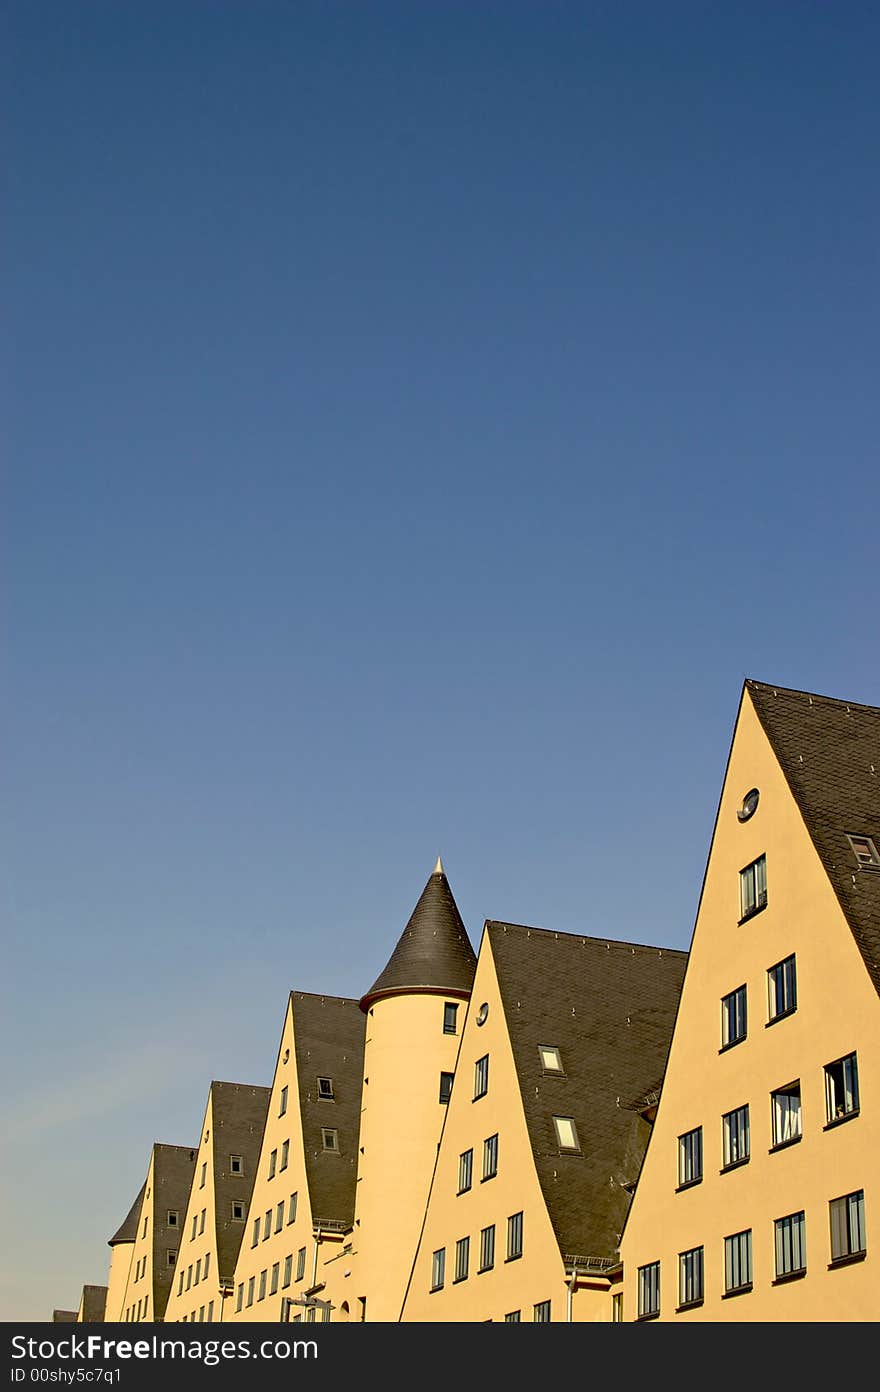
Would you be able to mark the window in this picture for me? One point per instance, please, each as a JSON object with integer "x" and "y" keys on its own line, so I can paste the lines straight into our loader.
{"x": 202, "y": 1221}
{"x": 285, "y": 1155}
{"x": 273, "y": 1163}
{"x": 267, "y": 1223}
{"x": 690, "y": 1157}
{"x": 189, "y": 1276}
{"x": 236, "y": 1164}
{"x": 847, "y": 1226}
{"x": 446, "y": 1086}
{"x": 329, "y": 1138}
{"x": 462, "y": 1253}
{"x": 551, "y": 1058}
{"x": 487, "y": 1248}
{"x": 195, "y": 1222}
{"x": 781, "y": 989}
{"x": 490, "y": 1157}
{"x": 237, "y": 1211}
{"x": 438, "y": 1269}
{"x": 735, "y": 1129}
{"x": 288, "y": 1271}
{"x": 207, "y": 1264}
{"x": 733, "y": 1017}
{"x": 791, "y": 1245}
{"x": 513, "y": 1317}
{"x": 649, "y": 1290}
{"x": 785, "y": 1106}
{"x": 690, "y": 1277}
{"x": 180, "y": 1283}
{"x": 291, "y": 1209}
{"x": 198, "y": 1275}
{"x": 262, "y": 1292}
{"x": 300, "y": 1263}
{"x": 325, "y": 1089}
{"x": 279, "y": 1216}
{"x": 276, "y": 1272}
{"x": 172, "y": 1218}
{"x": 283, "y": 1104}
{"x": 738, "y": 1262}
{"x": 256, "y": 1233}
{"x": 481, "y": 1077}
{"x": 542, "y": 1312}
{"x": 450, "y": 1018}
{"x": 465, "y": 1170}
{"x": 617, "y": 1308}
{"x": 204, "y": 1173}
{"x": 239, "y": 1296}
{"x": 842, "y": 1088}
{"x": 514, "y": 1236}
{"x": 865, "y": 852}
{"x": 753, "y": 887}
{"x": 566, "y": 1133}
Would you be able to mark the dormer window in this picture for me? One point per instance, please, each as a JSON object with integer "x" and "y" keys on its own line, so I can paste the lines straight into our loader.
{"x": 865, "y": 851}
{"x": 551, "y": 1058}
{"x": 325, "y": 1089}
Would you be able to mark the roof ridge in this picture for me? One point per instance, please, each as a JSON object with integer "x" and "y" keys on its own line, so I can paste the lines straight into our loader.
{"x": 585, "y": 937}
{"x": 835, "y": 701}
{"x": 323, "y": 995}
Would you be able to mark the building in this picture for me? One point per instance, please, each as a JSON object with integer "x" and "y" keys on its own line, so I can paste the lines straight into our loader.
{"x": 151, "y": 1256}
{"x": 757, "y": 1200}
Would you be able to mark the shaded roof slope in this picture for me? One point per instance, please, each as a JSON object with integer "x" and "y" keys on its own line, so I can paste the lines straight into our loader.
{"x": 609, "y": 1007}
{"x": 93, "y": 1304}
{"x": 829, "y": 751}
{"x": 434, "y": 952}
{"x": 328, "y": 1034}
{"x": 173, "y": 1169}
{"x": 127, "y": 1230}
{"x": 239, "y": 1114}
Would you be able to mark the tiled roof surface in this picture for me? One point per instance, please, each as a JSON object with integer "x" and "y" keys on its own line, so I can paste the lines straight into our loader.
{"x": 239, "y": 1120}
{"x": 609, "y": 1007}
{"x": 829, "y": 751}
{"x": 173, "y": 1170}
{"x": 93, "y": 1304}
{"x": 127, "y": 1230}
{"x": 328, "y": 1034}
{"x": 433, "y": 951}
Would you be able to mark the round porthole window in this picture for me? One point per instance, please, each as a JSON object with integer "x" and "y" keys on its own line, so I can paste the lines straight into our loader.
{"x": 749, "y": 805}
{"x": 483, "y": 1013}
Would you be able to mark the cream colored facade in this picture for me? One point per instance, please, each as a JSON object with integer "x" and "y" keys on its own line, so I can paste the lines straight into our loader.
{"x": 837, "y": 1015}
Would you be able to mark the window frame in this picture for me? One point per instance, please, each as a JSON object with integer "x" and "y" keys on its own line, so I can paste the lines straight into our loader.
{"x": 732, "y": 1141}
{"x": 850, "y": 1202}
{"x": 733, "y": 1260}
{"x": 777, "y": 1129}
{"x": 836, "y": 1112}
{"x": 487, "y": 1248}
{"x": 753, "y": 885}
{"x": 691, "y": 1278}
{"x": 438, "y": 1269}
{"x": 490, "y": 1157}
{"x": 326, "y": 1091}
{"x": 481, "y": 1077}
{"x": 690, "y": 1171}
{"x": 465, "y": 1170}
{"x": 450, "y": 1017}
{"x": 446, "y": 1082}
{"x": 648, "y": 1278}
{"x": 786, "y": 1245}
{"x": 733, "y": 1013}
{"x": 782, "y": 987}
{"x": 462, "y": 1259}
{"x": 564, "y": 1147}
{"x": 551, "y": 1071}
{"x": 514, "y": 1236}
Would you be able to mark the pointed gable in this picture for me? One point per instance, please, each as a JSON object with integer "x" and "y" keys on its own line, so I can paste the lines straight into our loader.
{"x": 829, "y": 752}
{"x": 127, "y": 1230}
{"x": 328, "y": 1034}
{"x": 238, "y": 1113}
{"x": 433, "y": 952}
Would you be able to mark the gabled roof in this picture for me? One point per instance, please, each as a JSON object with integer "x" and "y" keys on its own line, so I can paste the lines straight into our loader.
{"x": 238, "y": 1112}
{"x": 328, "y": 1034}
{"x": 433, "y": 952}
{"x": 127, "y": 1230}
{"x": 829, "y": 752}
{"x": 173, "y": 1169}
{"x": 609, "y": 1007}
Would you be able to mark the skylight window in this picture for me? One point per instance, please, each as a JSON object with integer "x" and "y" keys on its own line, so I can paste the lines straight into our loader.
{"x": 551, "y": 1058}
{"x": 865, "y": 852}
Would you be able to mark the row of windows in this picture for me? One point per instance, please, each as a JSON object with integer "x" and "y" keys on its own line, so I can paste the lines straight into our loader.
{"x": 198, "y": 1224}
{"x": 540, "y": 1314}
{"x": 781, "y": 1001}
{"x": 205, "y": 1315}
{"x": 266, "y": 1221}
{"x": 487, "y": 1252}
{"x": 841, "y": 1102}
{"x": 847, "y": 1224}
{"x": 201, "y": 1273}
{"x": 139, "y": 1311}
{"x": 273, "y": 1280}
{"x": 466, "y": 1164}
{"x": 273, "y": 1159}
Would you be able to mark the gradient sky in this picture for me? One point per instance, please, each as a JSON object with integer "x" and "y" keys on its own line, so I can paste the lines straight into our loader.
{"x": 418, "y": 420}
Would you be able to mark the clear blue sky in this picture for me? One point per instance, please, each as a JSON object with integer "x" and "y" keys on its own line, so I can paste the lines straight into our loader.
{"x": 419, "y": 418}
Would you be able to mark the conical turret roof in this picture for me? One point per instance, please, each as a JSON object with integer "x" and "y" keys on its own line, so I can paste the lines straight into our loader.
{"x": 433, "y": 953}
{"x": 127, "y": 1230}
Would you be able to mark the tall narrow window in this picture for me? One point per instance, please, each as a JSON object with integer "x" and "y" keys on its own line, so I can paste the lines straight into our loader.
{"x": 256, "y": 1233}
{"x": 841, "y": 1088}
{"x": 291, "y": 1209}
{"x": 288, "y": 1271}
{"x": 300, "y": 1263}
{"x": 285, "y": 1155}
{"x": 733, "y": 1017}
{"x": 753, "y": 887}
{"x": 207, "y": 1265}
{"x": 490, "y": 1157}
{"x": 262, "y": 1291}
{"x": 690, "y": 1157}
{"x": 279, "y": 1216}
{"x": 462, "y": 1253}
{"x": 735, "y": 1132}
{"x": 514, "y": 1236}
{"x": 325, "y": 1089}
{"x": 542, "y": 1312}
{"x": 781, "y": 989}
{"x": 481, "y": 1077}
{"x": 202, "y": 1220}
{"x": 465, "y": 1170}
{"x": 267, "y": 1223}
{"x": 649, "y": 1290}
{"x": 617, "y": 1308}
{"x": 273, "y": 1162}
{"x": 438, "y": 1269}
{"x": 204, "y": 1174}
{"x": 239, "y": 1296}
{"x": 847, "y": 1226}
{"x": 785, "y": 1104}
{"x": 450, "y": 1018}
{"x": 738, "y": 1262}
{"x": 446, "y": 1086}
{"x": 791, "y": 1245}
{"x": 250, "y": 1294}
{"x": 273, "y": 1284}
{"x": 487, "y": 1248}
{"x": 283, "y": 1104}
{"x": 690, "y": 1277}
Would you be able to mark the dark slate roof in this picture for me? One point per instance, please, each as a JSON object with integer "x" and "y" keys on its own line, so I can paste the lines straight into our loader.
{"x": 328, "y": 1033}
{"x": 829, "y": 751}
{"x": 434, "y": 952}
{"x": 127, "y": 1230}
{"x": 173, "y": 1171}
{"x": 93, "y": 1304}
{"x": 609, "y": 1007}
{"x": 239, "y": 1119}
{"x": 64, "y": 1316}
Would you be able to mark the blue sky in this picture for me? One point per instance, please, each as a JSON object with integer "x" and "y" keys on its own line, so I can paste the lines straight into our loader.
{"x": 419, "y": 419}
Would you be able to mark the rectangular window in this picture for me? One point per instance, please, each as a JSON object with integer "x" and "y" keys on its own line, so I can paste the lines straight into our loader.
{"x": 262, "y": 1291}
{"x": 202, "y": 1220}
{"x": 490, "y": 1157}
{"x": 785, "y": 1106}
{"x": 865, "y": 852}
{"x": 329, "y": 1138}
{"x": 267, "y": 1223}
{"x": 279, "y": 1216}
{"x": 847, "y": 1225}
{"x": 300, "y": 1263}
{"x": 735, "y": 1130}
{"x": 172, "y": 1217}
{"x": 239, "y": 1296}
{"x": 276, "y": 1272}
{"x": 690, "y": 1276}
{"x": 250, "y": 1295}
{"x": 288, "y": 1271}
{"x": 207, "y": 1264}
{"x": 513, "y": 1317}
{"x": 195, "y": 1221}
{"x": 210, "y": 1311}
{"x": 237, "y": 1211}
{"x": 617, "y": 1308}
{"x": 204, "y": 1173}
{"x": 465, "y": 1170}
{"x": 514, "y": 1236}
{"x": 462, "y": 1253}
{"x": 283, "y": 1104}
{"x": 753, "y": 887}
{"x": 285, "y": 1155}
{"x": 690, "y": 1157}
{"x": 198, "y": 1275}
{"x": 551, "y": 1058}
{"x": 256, "y": 1233}
{"x": 481, "y": 1077}
{"x": 738, "y": 1262}
{"x": 180, "y": 1282}
{"x": 542, "y": 1312}
{"x": 438, "y": 1269}
{"x": 734, "y": 1021}
{"x": 781, "y": 989}
{"x": 566, "y": 1133}
{"x": 649, "y": 1290}
{"x": 189, "y": 1276}
{"x": 450, "y": 1018}
{"x": 273, "y": 1163}
{"x": 841, "y": 1088}
{"x": 487, "y": 1248}
{"x": 236, "y": 1165}
{"x": 446, "y": 1086}
{"x": 291, "y": 1209}
{"x": 325, "y": 1089}
{"x": 791, "y": 1244}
